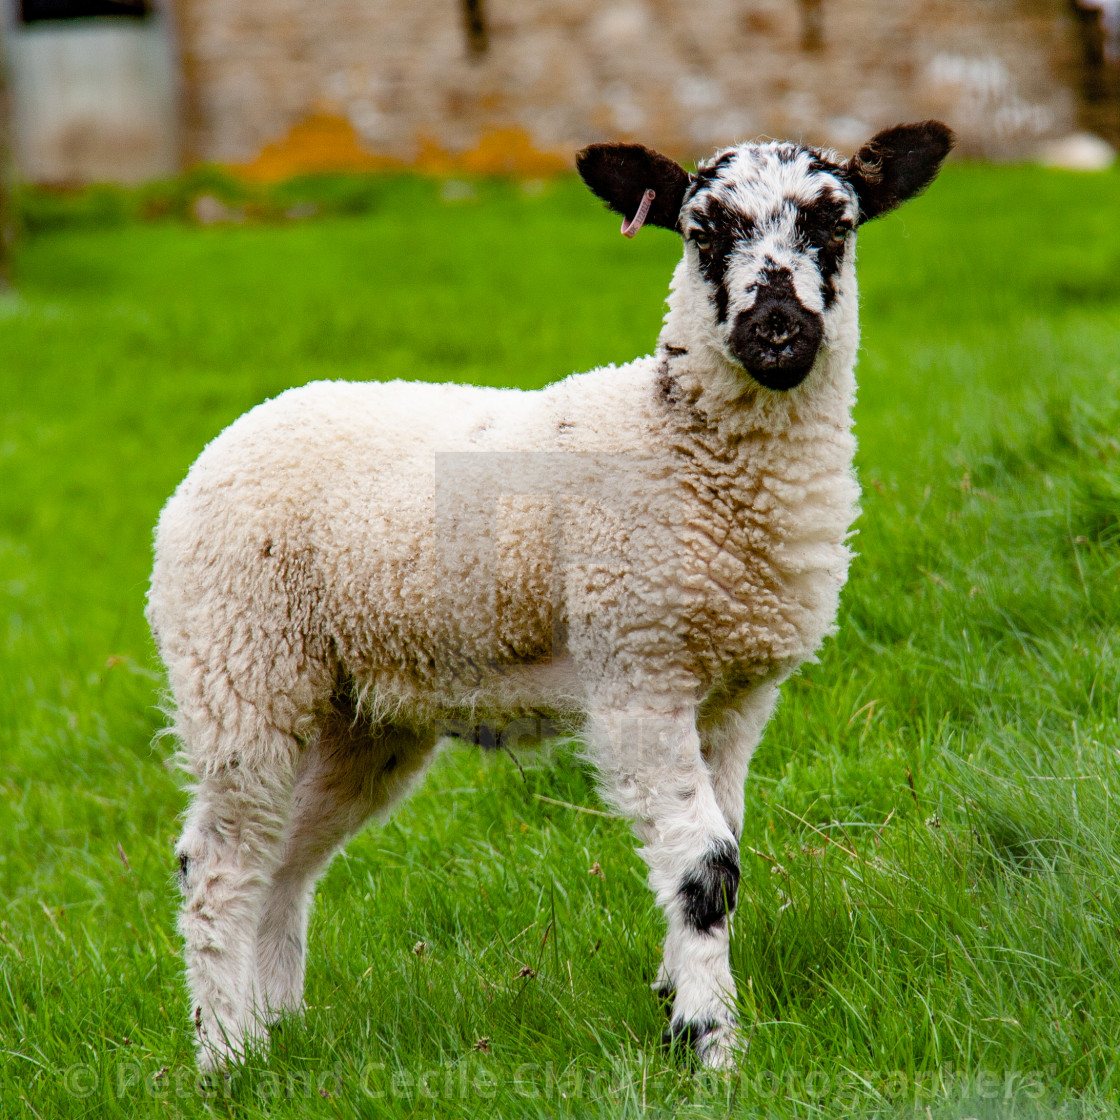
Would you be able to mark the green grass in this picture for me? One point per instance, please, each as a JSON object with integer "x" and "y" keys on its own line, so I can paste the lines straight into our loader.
{"x": 930, "y": 912}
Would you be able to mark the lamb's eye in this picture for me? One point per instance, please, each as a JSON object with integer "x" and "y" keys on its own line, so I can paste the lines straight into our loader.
{"x": 840, "y": 233}
{"x": 703, "y": 241}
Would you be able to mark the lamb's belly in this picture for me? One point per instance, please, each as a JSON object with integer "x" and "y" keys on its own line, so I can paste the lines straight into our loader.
{"x": 549, "y": 689}
{"x": 527, "y": 702}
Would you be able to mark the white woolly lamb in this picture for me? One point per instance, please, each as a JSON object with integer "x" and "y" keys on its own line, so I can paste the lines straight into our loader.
{"x": 350, "y": 571}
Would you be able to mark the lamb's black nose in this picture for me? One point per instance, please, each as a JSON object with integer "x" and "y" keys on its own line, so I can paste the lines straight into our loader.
{"x": 778, "y": 338}
{"x": 778, "y": 328}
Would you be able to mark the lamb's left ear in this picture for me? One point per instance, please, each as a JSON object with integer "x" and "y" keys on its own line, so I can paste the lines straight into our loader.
{"x": 896, "y": 164}
{"x": 620, "y": 174}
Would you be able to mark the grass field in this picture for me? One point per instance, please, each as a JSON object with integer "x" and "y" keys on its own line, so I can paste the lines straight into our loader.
{"x": 929, "y": 922}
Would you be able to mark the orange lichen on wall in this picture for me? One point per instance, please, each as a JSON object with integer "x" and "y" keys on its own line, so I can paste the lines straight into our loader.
{"x": 509, "y": 151}
{"x": 326, "y": 142}
{"x": 322, "y": 142}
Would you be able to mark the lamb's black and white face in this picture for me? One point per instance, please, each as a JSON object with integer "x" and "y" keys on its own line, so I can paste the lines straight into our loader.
{"x": 769, "y": 233}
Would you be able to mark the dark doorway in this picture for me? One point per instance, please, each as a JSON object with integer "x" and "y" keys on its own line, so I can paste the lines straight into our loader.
{"x": 40, "y": 11}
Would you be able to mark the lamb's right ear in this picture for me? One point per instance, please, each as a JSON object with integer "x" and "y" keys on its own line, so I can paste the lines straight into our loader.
{"x": 896, "y": 164}
{"x": 620, "y": 174}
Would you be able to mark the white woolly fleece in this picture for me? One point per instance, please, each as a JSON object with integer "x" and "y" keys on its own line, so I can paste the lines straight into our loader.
{"x": 694, "y": 536}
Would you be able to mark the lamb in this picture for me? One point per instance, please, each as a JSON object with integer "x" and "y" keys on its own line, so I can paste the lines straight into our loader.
{"x": 352, "y": 571}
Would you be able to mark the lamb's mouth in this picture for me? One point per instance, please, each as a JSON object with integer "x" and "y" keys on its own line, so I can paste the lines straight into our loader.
{"x": 778, "y": 339}
{"x": 781, "y": 371}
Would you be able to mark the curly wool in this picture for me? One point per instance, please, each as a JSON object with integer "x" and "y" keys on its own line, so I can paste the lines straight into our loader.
{"x": 307, "y": 540}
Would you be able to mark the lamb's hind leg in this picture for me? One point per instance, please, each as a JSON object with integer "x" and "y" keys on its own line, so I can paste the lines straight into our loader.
{"x": 244, "y": 771}
{"x": 653, "y": 770}
{"x": 349, "y": 771}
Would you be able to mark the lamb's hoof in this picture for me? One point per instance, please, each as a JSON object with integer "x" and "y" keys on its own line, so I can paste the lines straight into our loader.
{"x": 706, "y": 1042}
{"x": 220, "y": 1051}
{"x": 213, "y": 1083}
{"x": 215, "y": 1062}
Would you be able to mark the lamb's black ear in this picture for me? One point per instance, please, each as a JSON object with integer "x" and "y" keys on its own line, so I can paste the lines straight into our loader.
{"x": 896, "y": 164}
{"x": 621, "y": 173}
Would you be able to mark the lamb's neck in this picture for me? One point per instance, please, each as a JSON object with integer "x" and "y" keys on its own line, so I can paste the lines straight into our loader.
{"x": 780, "y": 462}
{"x": 718, "y": 393}
{"x": 707, "y": 391}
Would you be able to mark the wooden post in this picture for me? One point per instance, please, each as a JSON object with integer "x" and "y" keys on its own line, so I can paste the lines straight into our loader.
{"x": 477, "y": 33}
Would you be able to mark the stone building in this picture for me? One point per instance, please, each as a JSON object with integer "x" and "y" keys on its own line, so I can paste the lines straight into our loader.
{"x": 276, "y": 87}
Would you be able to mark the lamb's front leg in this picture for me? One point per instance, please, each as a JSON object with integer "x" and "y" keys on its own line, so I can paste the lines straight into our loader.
{"x": 654, "y": 772}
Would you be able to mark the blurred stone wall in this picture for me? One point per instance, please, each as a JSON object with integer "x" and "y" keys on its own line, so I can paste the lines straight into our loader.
{"x": 280, "y": 86}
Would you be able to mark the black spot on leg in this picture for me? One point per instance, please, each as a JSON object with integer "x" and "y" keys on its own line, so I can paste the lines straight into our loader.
{"x": 708, "y": 894}
{"x": 685, "y": 1034}
{"x": 665, "y": 995}
{"x": 184, "y": 869}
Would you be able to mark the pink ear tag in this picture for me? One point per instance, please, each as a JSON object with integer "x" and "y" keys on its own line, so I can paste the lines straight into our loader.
{"x": 630, "y": 228}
